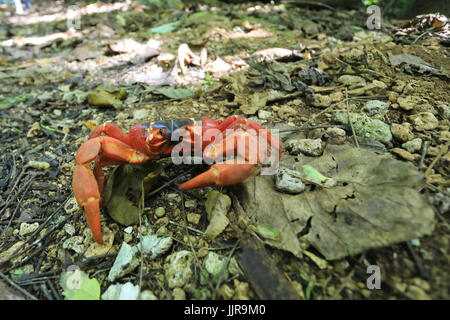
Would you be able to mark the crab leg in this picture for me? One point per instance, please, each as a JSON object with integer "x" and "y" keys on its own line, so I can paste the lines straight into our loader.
{"x": 251, "y": 150}
{"x": 87, "y": 186}
{"x": 221, "y": 174}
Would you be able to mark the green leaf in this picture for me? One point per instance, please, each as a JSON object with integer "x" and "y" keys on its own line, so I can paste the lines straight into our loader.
{"x": 78, "y": 286}
{"x": 6, "y": 103}
{"x": 165, "y": 28}
{"x": 267, "y": 233}
{"x": 123, "y": 190}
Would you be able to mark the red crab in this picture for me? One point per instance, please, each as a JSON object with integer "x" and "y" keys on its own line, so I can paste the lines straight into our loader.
{"x": 244, "y": 139}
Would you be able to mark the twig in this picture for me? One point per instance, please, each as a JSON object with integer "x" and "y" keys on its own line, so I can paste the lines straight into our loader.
{"x": 45, "y": 291}
{"x": 441, "y": 152}
{"x": 426, "y": 31}
{"x": 310, "y": 120}
{"x": 28, "y": 184}
{"x": 350, "y": 120}
{"x": 187, "y": 227}
{"x": 30, "y": 256}
{"x": 424, "y": 153}
{"x": 37, "y": 231}
{"x": 311, "y": 3}
{"x": 141, "y": 208}
{"x": 55, "y": 292}
{"x": 424, "y": 274}
{"x": 224, "y": 267}
{"x": 169, "y": 182}
{"x": 189, "y": 238}
{"x": 313, "y": 127}
{"x": 10, "y": 192}
{"x": 17, "y": 287}
{"x": 343, "y": 285}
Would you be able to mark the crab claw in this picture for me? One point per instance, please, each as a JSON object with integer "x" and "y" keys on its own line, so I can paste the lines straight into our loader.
{"x": 86, "y": 193}
{"x": 222, "y": 174}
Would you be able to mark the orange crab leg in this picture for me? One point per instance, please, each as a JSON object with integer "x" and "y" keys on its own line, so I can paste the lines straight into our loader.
{"x": 221, "y": 174}
{"x": 88, "y": 184}
{"x": 246, "y": 146}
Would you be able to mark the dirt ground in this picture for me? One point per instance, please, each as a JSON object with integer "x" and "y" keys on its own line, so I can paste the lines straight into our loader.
{"x": 60, "y": 78}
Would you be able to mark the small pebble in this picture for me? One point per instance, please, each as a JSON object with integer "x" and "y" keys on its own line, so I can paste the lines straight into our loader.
{"x": 289, "y": 181}
{"x": 193, "y": 218}
{"x": 26, "y": 228}
{"x": 190, "y": 203}
{"x": 128, "y": 230}
{"x": 178, "y": 294}
{"x": 413, "y": 146}
{"x": 173, "y": 197}
{"x": 160, "y": 212}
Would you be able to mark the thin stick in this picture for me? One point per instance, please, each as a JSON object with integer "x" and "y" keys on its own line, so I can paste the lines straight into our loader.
{"x": 441, "y": 152}
{"x": 424, "y": 274}
{"x": 313, "y": 127}
{"x": 28, "y": 184}
{"x": 37, "y": 231}
{"x": 224, "y": 267}
{"x": 424, "y": 153}
{"x": 350, "y": 121}
{"x": 17, "y": 287}
{"x": 187, "y": 227}
{"x": 169, "y": 183}
{"x": 141, "y": 209}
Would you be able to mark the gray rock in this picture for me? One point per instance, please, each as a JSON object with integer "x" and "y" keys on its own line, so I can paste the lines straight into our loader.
{"x": 178, "y": 269}
{"x": 27, "y": 228}
{"x": 126, "y": 291}
{"x": 337, "y": 135}
{"x": 160, "y": 212}
{"x": 212, "y": 268}
{"x": 190, "y": 203}
{"x": 365, "y": 126}
{"x": 413, "y": 146}
{"x": 352, "y": 81}
{"x": 288, "y": 181}
{"x": 264, "y": 115}
{"x": 444, "y": 111}
{"x": 74, "y": 243}
{"x": 140, "y": 114}
{"x": 69, "y": 229}
{"x": 310, "y": 147}
{"x": 153, "y": 246}
{"x": 147, "y": 295}
{"x": 126, "y": 261}
{"x": 424, "y": 120}
{"x": 375, "y": 107}
{"x": 173, "y": 197}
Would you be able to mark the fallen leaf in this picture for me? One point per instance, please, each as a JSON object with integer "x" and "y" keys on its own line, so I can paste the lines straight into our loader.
{"x": 374, "y": 203}
{"x": 106, "y": 98}
{"x": 78, "y": 286}
{"x": 217, "y": 206}
{"x": 166, "y": 28}
{"x": 123, "y": 189}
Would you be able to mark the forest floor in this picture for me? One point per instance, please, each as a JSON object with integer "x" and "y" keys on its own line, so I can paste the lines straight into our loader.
{"x": 381, "y": 101}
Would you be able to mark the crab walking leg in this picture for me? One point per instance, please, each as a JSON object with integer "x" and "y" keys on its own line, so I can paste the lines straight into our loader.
{"x": 111, "y": 130}
{"x": 87, "y": 186}
{"x": 239, "y": 122}
{"x": 221, "y": 174}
